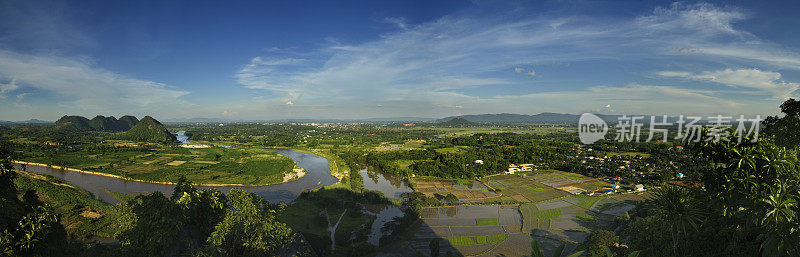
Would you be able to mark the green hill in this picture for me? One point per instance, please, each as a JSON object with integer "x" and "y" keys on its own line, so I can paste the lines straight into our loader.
{"x": 130, "y": 121}
{"x": 101, "y": 123}
{"x": 74, "y": 123}
{"x": 149, "y": 130}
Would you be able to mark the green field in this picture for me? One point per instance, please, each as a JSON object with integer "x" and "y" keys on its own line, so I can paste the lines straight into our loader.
{"x": 461, "y": 240}
{"x": 585, "y": 201}
{"x": 490, "y": 239}
{"x": 486, "y": 222}
{"x": 167, "y": 164}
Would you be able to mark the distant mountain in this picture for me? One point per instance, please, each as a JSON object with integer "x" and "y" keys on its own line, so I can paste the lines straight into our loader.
{"x": 74, "y": 123}
{"x": 149, "y": 130}
{"x": 545, "y": 118}
{"x": 197, "y": 120}
{"x": 34, "y": 121}
{"x": 31, "y": 121}
{"x": 457, "y": 122}
{"x": 396, "y": 119}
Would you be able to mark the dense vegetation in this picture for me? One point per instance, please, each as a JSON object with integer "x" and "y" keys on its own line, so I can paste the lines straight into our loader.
{"x": 149, "y": 130}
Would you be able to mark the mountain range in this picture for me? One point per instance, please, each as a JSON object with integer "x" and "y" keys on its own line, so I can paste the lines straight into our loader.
{"x": 146, "y": 130}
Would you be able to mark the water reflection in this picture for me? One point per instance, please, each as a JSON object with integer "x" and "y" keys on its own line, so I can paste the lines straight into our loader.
{"x": 391, "y": 186}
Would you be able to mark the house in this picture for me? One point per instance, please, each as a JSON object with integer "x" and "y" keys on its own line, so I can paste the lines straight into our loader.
{"x": 608, "y": 191}
{"x": 638, "y": 187}
{"x": 590, "y": 193}
{"x": 478, "y": 161}
{"x": 512, "y": 170}
{"x": 614, "y": 186}
{"x": 680, "y": 175}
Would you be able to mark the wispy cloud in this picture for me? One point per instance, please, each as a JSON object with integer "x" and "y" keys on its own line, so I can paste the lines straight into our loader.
{"x": 78, "y": 87}
{"x": 399, "y": 22}
{"x": 759, "y": 82}
{"x": 8, "y": 87}
{"x": 434, "y": 64}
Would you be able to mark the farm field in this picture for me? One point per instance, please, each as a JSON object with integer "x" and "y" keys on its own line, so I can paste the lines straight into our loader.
{"x": 507, "y": 230}
{"x": 541, "y": 186}
{"x": 465, "y": 190}
{"x": 214, "y": 165}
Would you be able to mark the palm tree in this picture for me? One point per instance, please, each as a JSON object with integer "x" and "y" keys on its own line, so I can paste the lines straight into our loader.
{"x": 677, "y": 205}
{"x": 778, "y": 218}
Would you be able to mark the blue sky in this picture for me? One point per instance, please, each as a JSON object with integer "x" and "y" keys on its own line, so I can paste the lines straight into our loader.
{"x": 331, "y": 59}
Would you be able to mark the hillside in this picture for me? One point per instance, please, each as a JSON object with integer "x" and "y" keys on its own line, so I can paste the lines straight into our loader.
{"x": 98, "y": 123}
{"x": 74, "y": 123}
{"x": 111, "y": 123}
{"x": 546, "y": 117}
{"x": 149, "y": 130}
{"x": 457, "y": 122}
{"x": 130, "y": 121}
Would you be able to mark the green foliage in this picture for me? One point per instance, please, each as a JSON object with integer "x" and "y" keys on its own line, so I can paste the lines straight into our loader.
{"x": 156, "y": 228}
{"x": 250, "y": 228}
{"x": 598, "y": 240}
{"x": 27, "y": 227}
{"x": 450, "y": 198}
{"x": 149, "y": 130}
{"x": 537, "y": 251}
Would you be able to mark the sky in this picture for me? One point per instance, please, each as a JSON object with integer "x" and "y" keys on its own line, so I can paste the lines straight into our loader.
{"x": 264, "y": 60}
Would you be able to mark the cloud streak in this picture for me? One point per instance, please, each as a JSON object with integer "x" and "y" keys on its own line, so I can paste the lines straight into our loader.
{"x": 442, "y": 63}
{"x": 77, "y": 87}
{"x": 759, "y": 82}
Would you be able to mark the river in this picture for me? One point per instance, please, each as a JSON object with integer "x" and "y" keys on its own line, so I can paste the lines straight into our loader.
{"x": 318, "y": 174}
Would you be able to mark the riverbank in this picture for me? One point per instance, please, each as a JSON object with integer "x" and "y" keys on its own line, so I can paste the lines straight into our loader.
{"x": 295, "y": 175}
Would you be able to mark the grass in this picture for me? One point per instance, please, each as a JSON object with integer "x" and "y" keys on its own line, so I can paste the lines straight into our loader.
{"x": 461, "y": 240}
{"x": 535, "y": 189}
{"x": 585, "y": 201}
{"x": 487, "y": 222}
{"x": 69, "y": 202}
{"x": 550, "y": 214}
{"x": 529, "y": 216}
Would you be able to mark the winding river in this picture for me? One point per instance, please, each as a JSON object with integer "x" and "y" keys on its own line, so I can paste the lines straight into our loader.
{"x": 318, "y": 174}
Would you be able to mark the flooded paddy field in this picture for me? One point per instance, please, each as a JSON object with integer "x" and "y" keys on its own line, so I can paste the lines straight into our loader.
{"x": 497, "y": 230}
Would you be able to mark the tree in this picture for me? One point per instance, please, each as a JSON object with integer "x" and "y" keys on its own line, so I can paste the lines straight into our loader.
{"x": 537, "y": 251}
{"x": 250, "y": 227}
{"x": 27, "y": 227}
{"x": 598, "y": 240}
{"x": 785, "y": 129}
{"x": 156, "y": 226}
{"x": 676, "y": 205}
{"x": 451, "y": 198}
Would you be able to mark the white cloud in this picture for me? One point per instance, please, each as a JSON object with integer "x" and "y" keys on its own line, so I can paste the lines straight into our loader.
{"x": 8, "y": 87}
{"x": 79, "y": 88}
{"x": 23, "y": 95}
{"x": 433, "y": 64}
{"x": 399, "y": 22}
{"x": 761, "y": 82}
